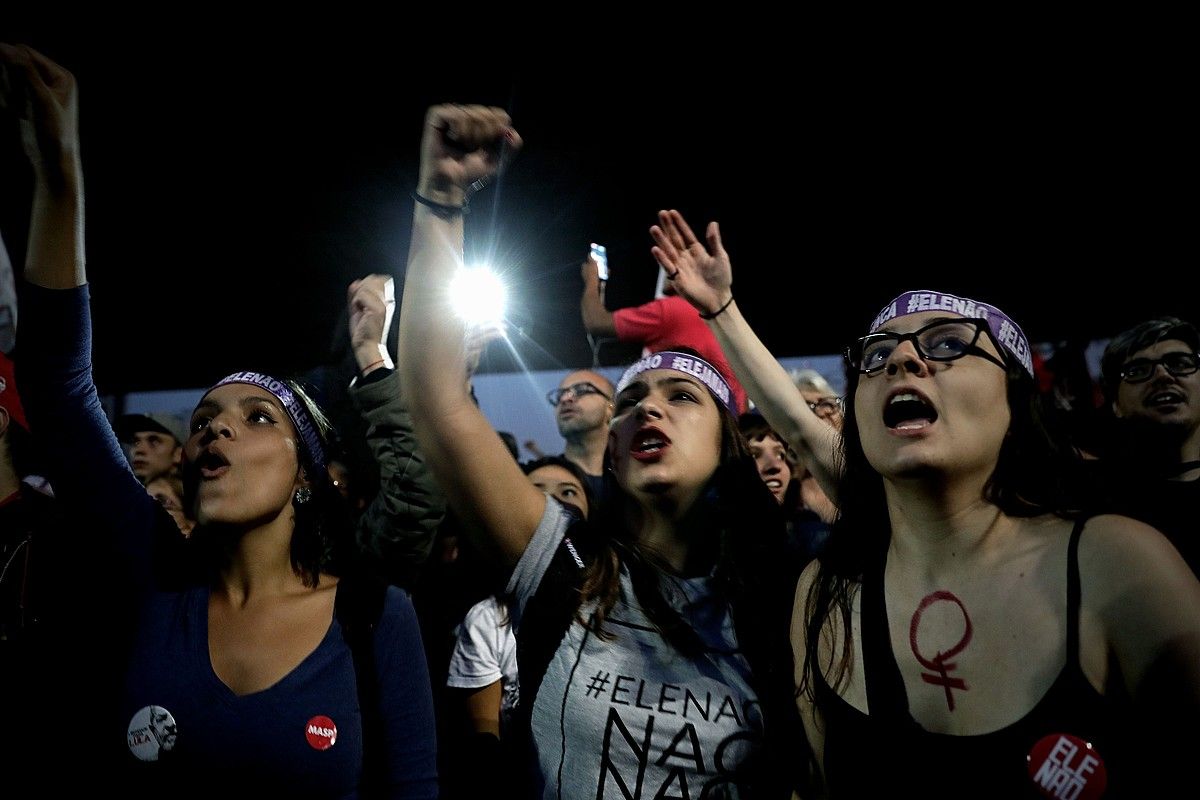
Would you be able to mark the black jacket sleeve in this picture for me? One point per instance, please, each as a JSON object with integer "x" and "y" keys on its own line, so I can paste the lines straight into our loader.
{"x": 397, "y": 529}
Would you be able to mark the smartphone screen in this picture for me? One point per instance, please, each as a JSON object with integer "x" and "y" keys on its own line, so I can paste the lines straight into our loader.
{"x": 600, "y": 255}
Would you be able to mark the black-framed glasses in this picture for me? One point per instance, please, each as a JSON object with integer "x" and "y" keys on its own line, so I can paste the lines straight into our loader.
{"x": 555, "y": 396}
{"x": 944, "y": 340}
{"x": 827, "y": 406}
{"x": 1139, "y": 370}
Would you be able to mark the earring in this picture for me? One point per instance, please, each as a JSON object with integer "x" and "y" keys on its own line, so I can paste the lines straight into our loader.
{"x": 302, "y": 495}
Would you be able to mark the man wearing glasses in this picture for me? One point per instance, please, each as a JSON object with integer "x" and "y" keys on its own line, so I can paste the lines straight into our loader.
{"x": 820, "y": 396}
{"x": 1151, "y": 381}
{"x": 582, "y": 410}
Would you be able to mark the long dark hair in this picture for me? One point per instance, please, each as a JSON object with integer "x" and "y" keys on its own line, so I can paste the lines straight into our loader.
{"x": 734, "y": 502}
{"x": 1032, "y": 477}
{"x": 736, "y": 525}
{"x": 321, "y": 540}
{"x": 529, "y": 467}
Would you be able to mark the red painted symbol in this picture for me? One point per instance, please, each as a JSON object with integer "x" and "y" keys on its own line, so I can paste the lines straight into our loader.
{"x": 939, "y": 662}
{"x": 321, "y": 733}
{"x": 1065, "y": 767}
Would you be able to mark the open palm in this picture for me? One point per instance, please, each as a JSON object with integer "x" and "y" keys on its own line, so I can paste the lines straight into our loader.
{"x": 700, "y": 271}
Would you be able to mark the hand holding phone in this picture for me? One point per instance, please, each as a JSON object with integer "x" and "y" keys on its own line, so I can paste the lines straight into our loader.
{"x": 600, "y": 256}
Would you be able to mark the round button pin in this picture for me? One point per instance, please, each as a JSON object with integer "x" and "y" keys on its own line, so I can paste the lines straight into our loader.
{"x": 152, "y": 732}
{"x": 1065, "y": 767}
{"x": 320, "y": 732}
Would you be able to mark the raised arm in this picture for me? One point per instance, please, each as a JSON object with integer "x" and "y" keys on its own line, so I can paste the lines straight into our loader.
{"x": 87, "y": 466}
{"x": 399, "y": 525}
{"x": 704, "y": 277}
{"x": 43, "y": 97}
{"x": 597, "y": 319}
{"x": 461, "y": 146}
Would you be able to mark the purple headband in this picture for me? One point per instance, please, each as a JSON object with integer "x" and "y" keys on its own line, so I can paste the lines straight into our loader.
{"x": 295, "y": 409}
{"x": 691, "y": 365}
{"x": 1007, "y": 333}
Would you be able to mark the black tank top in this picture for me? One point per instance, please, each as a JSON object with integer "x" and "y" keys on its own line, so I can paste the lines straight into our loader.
{"x": 887, "y": 753}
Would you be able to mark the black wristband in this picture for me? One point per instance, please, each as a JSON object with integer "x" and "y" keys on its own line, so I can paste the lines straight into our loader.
{"x": 441, "y": 209}
{"x": 719, "y": 310}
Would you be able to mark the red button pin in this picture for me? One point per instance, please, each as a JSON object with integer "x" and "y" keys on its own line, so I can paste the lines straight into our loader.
{"x": 1065, "y": 767}
{"x": 321, "y": 733}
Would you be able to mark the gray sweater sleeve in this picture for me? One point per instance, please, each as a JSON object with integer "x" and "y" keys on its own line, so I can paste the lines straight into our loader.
{"x": 398, "y": 527}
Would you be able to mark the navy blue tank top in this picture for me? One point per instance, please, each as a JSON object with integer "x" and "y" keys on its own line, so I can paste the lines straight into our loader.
{"x": 888, "y": 751}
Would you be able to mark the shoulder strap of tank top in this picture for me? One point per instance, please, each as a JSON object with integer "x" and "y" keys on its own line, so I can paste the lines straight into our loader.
{"x": 887, "y": 698}
{"x": 1074, "y": 591}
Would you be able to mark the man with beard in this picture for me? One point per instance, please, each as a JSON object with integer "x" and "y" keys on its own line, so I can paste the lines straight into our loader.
{"x": 1152, "y": 464}
{"x": 583, "y": 407}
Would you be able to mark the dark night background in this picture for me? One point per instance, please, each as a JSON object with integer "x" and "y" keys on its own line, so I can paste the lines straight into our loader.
{"x": 237, "y": 184}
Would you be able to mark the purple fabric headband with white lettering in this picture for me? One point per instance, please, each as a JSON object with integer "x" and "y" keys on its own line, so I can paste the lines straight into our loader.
{"x": 1007, "y": 333}
{"x": 691, "y": 365}
{"x": 311, "y": 442}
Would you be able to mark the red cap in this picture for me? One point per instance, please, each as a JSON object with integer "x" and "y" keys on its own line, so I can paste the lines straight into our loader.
{"x": 9, "y": 400}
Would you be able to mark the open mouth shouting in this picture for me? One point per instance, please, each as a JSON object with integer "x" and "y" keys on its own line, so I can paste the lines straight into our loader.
{"x": 649, "y": 444}
{"x": 908, "y": 410}
{"x": 211, "y": 464}
{"x": 1168, "y": 398}
{"x": 777, "y": 487}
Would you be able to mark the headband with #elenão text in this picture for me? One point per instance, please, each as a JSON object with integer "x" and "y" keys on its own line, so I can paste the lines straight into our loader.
{"x": 688, "y": 364}
{"x": 313, "y": 451}
{"x": 1008, "y": 333}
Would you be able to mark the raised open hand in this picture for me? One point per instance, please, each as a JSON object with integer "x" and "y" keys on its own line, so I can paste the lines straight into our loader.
{"x": 462, "y": 149}
{"x": 702, "y": 274}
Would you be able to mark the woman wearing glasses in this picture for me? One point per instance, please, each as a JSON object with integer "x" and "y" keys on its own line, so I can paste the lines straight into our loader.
{"x": 958, "y": 635}
{"x": 652, "y": 643}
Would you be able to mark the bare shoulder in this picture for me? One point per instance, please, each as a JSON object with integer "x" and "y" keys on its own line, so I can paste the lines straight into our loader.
{"x": 807, "y": 578}
{"x": 800, "y": 610}
{"x": 1121, "y": 558}
{"x": 833, "y": 626}
{"x": 1116, "y": 543}
{"x": 804, "y": 586}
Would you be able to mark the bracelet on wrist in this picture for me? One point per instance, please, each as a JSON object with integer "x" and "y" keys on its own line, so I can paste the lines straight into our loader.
{"x": 372, "y": 366}
{"x": 441, "y": 209}
{"x": 714, "y": 314}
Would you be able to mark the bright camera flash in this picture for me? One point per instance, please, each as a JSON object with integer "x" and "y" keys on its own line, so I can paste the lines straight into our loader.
{"x": 478, "y": 296}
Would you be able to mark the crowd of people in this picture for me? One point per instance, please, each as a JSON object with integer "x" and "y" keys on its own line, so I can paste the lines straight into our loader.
{"x": 731, "y": 583}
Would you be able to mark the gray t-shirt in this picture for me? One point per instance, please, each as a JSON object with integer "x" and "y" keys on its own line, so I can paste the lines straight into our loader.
{"x": 630, "y": 716}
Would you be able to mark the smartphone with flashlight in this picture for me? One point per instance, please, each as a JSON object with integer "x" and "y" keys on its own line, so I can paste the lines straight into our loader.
{"x": 600, "y": 256}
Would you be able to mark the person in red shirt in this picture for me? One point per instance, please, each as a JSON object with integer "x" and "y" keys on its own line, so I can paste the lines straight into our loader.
{"x": 661, "y": 324}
